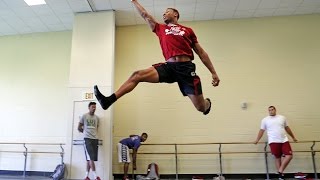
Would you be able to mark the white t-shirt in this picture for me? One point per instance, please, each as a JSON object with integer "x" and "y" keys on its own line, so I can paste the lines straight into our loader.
{"x": 275, "y": 127}
{"x": 90, "y": 125}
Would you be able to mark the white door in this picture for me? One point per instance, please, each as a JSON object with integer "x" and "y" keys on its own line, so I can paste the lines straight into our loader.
{"x": 78, "y": 160}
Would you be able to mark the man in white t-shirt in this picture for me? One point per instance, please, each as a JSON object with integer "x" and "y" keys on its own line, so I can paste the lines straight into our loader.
{"x": 88, "y": 125}
{"x": 276, "y": 127}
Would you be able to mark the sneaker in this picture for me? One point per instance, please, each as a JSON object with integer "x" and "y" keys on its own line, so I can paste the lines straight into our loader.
{"x": 87, "y": 178}
{"x": 300, "y": 175}
{"x": 219, "y": 177}
{"x": 104, "y": 101}
{"x": 281, "y": 176}
{"x": 125, "y": 178}
{"x": 197, "y": 178}
{"x": 208, "y": 110}
{"x": 98, "y": 178}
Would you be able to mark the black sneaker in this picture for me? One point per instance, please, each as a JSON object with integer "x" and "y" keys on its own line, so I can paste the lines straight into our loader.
{"x": 104, "y": 101}
{"x": 208, "y": 110}
{"x": 281, "y": 176}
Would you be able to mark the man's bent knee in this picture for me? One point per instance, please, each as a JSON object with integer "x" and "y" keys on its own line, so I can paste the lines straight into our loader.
{"x": 135, "y": 77}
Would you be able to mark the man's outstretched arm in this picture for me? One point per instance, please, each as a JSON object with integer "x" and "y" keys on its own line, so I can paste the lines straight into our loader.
{"x": 207, "y": 62}
{"x": 144, "y": 14}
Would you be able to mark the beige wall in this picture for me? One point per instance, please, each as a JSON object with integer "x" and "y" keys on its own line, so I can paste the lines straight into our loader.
{"x": 92, "y": 63}
{"x": 34, "y": 70}
{"x": 34, "y": 77}
{"x": 262, "y": 61}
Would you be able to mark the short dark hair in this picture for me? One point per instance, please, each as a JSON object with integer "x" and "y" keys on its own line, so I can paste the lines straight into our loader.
{"x": 176, "y": 11}
{"x": 144, "y": 134}
{"x": 91, "y": 103}
{"x": 271, "y": 107}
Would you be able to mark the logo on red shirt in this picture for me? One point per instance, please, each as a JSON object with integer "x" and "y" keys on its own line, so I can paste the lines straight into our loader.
{"x": 175, "y": 30}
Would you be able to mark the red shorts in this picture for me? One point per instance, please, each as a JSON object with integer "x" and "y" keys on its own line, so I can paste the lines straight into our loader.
{"x": 279, "y": 149}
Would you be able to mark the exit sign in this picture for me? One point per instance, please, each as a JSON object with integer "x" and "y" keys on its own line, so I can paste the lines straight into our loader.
{"x": 88, "y": 96}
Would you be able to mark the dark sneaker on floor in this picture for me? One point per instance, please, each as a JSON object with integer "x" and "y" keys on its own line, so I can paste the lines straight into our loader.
{"x": 104, "y": 101}
{"x": 208, "y": 110}
{"x": 281, "y": 176}
{"x": 87, "y": 178}
{"x": 98, "y": 178}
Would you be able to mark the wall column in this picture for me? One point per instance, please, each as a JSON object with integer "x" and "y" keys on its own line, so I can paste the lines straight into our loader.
{"x": 92, "y": 63}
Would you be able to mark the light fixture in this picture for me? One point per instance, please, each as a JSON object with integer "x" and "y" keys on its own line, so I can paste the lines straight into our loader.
{"x": 34, "y": 2}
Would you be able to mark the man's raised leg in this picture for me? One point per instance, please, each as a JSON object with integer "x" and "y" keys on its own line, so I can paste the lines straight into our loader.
{"x": 201, "y": 104}
{"x": 147, "y": 75}
{"x": 105, "y": 102}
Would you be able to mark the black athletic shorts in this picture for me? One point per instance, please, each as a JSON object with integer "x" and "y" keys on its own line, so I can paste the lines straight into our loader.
{"x": 91, "y": 149}
{"x": 181, "y": 72}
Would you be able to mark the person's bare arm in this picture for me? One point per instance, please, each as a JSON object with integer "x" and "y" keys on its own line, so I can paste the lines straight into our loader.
{"x": 80, "y": 127}
{"x": 144, "y": 14}
{"x": 207, "y": 62}
{"x": 288, "y": 130}
{"x": 134, "y": 158}
{"x": 259, "y": 136}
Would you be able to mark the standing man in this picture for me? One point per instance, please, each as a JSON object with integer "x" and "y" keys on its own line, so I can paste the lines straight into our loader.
{"x": 276, "y": 127}
{"x": 132, "y": 142}
{"x": 88, "y": 125}
{"x": 177, "y": 42}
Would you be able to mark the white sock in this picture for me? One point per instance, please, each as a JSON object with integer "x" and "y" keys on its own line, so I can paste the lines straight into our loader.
{"x": 87, "y": 173}
{"x": 94, "y": 174}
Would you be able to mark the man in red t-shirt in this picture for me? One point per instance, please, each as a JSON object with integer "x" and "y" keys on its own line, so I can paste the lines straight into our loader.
{"x": 177, "y": 43}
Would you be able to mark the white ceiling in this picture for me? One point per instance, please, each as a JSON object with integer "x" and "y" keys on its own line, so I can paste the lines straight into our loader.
{"x": 16, "y": 17}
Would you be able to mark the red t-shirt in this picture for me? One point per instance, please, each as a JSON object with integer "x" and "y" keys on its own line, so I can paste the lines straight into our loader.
{"x": 175, "y": 39}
